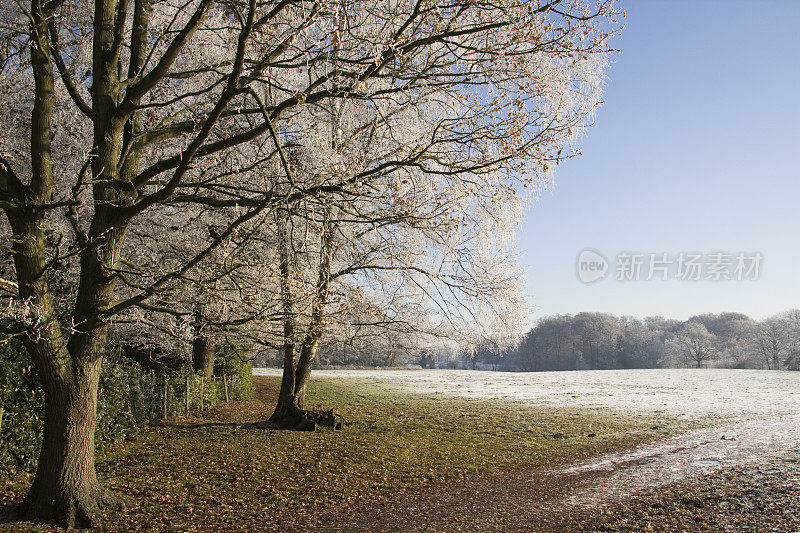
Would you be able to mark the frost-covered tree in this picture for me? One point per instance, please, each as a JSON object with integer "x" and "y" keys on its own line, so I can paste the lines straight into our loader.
{"x": 638, "y": 344}
{"x": 121, "y": 115}
{"x": 112, "y": 109}
{"x": 693, "y": 345}
{"x": 436, "y": 152}
{"x": 598, "y": 336}
{"x": 773, "y": 341}
{"x": 792, "y": 360}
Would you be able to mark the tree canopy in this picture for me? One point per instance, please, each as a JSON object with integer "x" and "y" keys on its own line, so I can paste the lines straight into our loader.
{"x": 271, "y": 170}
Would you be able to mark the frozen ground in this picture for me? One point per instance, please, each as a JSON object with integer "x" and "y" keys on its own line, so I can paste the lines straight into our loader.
{"x": 688, "y": 393}
{"x": 760, "y": 409}
{"x": 620, "y": 475}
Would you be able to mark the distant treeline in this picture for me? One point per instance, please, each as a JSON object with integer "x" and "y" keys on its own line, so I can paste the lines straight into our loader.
{"x": 596, "y": 341}
{"x": 602, "y": 341}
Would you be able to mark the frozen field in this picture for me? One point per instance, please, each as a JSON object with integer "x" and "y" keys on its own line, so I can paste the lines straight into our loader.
{"x": 761, "y": 411}
{"x": 690, "y": 393}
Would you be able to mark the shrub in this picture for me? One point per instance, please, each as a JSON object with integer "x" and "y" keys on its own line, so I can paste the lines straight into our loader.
{"x": 129, "y": 398}
{"x": 238, "y": 368}
{"x": 22, "y": 399}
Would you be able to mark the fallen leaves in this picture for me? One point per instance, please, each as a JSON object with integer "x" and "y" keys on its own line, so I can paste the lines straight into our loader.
{"x": 206, "y": 471}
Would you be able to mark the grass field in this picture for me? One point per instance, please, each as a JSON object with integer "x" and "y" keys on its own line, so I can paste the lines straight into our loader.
{"x": 208, "y": 471}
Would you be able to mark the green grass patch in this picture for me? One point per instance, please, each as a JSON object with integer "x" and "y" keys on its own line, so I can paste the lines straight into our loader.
{"x": 205, "y": 471}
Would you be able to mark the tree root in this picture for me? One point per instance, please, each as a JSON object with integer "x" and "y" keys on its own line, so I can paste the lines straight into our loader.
{"x": 302, "y": 420}
{"x": 74, "y": 510}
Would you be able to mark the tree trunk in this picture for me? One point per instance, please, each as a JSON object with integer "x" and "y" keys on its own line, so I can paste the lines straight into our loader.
{"x": 202, "y": 346}
{"x": 65, "y": 488}
{"x": 315, "y": 327}
{"x": 287, "y": 413}
{"x": 290, "y": 411}
{"x": 203, "y": 354}
{"x": 303, "y": 371}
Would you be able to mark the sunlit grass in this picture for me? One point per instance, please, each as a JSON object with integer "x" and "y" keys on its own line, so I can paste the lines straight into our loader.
{"x": 209, "y": 471}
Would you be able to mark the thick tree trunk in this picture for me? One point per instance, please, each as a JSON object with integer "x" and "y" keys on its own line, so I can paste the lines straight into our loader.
{"x": 65, "y": 488}
{"x": 203, "y": 354}
{"x": 287, "y": 411}
{"x": 202, "y": 346}
{"x": 303, "y": 371}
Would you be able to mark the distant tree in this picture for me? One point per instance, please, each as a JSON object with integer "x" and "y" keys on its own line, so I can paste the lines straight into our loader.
{"x": 636, "y": 344}
{"x": 523, "y": 357}
{"x": 488, "y": 352}
{"x": 597, "y": 335}
{"x": 772, "y": 342}
{"x": 722, "y": 325}
{"x": 554, "y": 346}
{"x": 663, "y": 325}
{"x": 733, "y": 343}
{"x": 731, "y": 331}
{"x": 792, "y": 314}
{"x": 426, "y": 359}
{"x": 793, "y": 357}
{"x": 594, "y": 340}
{"x": 693, "y": 345}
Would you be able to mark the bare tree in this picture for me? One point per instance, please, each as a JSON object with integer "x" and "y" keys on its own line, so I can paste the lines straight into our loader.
{"x": 693, "y": 344}
{"x": 772, "y": 341}
{"x": 436, "y": 147}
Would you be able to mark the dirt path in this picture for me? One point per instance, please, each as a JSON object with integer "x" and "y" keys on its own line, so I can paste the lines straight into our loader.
{"x": 616, "y": 476}
{"x": 554, "y": 500}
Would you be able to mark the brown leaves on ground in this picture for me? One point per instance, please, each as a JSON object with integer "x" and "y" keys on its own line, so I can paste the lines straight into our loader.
{"x": 215, "y": 471}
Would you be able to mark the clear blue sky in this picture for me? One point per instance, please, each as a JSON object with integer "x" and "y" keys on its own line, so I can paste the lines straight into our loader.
{"x": 696, "y": 148}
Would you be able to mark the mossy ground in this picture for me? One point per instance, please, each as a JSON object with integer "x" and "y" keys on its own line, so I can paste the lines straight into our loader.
{"x": 209, "y": 471}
